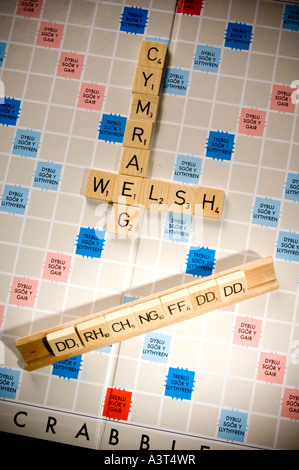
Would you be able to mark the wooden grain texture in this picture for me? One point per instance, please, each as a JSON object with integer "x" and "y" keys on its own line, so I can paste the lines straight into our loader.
{"x": 154, "y": 194}
{"x": 147, "y": 80}
{"x": 100, "y": 185}
{"x": 209, "y": 202}
{"x": 260, "y": 279}
{"x": 181, "y": 198}
{"x": 144, "y": 107}
{"x": 151, "y": 193}
{"x": 177, "y": 303}
{"x": 152, "y": 54}
{"x": 133, "y": 162}
{"x": 127, "y": 189}
{"x": 124, "y": 220}
{"x": 64, "y": 340}
{"x": 148, "y": 312}
{"x": 121, "y": 322}
{"x": 232, "y": 286}
{"x": 138, "y": 134}
{"x": 203, "y": 294}
{"x": 94, "y": 332}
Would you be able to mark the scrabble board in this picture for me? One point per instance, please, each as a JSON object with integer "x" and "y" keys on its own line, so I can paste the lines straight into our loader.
{"x": 227, "y": 119}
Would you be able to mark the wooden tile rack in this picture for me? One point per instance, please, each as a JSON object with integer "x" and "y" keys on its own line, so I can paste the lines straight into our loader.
{"x": 143, "y": 315}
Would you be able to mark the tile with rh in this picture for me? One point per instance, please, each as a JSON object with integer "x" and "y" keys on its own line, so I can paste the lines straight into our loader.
{"x": 181, "y": 198}
{"x": 124, "y": 220}
{"x": 154, "y": 194}
{"x": 152, "y": 54}
{"x": 144, "y": 107}
{"x": 177, "y": 303}
{"x": 94, "y": 332}
{"x": 64, "y": 341}
{"x": 150, "y": 314}
{"x": 204, "y": 294}
{"x": 232, "y": 286}
{"x": 127, "y": 189}
{"x": 209, "y": 202}
{"x": 122, "y": 322}
{"x": 147, "y": 80}
{"x": 134, "y": 162}
{"x": 100, "y": 185}
{"x": 138, "y": 134}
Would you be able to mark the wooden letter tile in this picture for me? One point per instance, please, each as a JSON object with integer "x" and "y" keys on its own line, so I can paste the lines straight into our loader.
{"x": 154, "y": 194}
{"x": 127, "y": 189}
{"x": 138, "y": 134}
{"x": 149, "y": 314}
{"x": 134, "y": 162}
{"x": 204, "y": 294}
{"x": 152, "y": 54}
{"x": 94, "y": 332}
{"x": 147, "y": 80}
{"x": 232, "y": 286}
{"x": 178, "y": 303}
{"x": 122, "y": 322}
{"x": 144, "y": 107}
{"x": 124, "y": 220}
{"x": 64, "y": 341}
{"x": 100, "y": 185}
{"x": 209, "y": 202}
{"x": 181, "y": 198}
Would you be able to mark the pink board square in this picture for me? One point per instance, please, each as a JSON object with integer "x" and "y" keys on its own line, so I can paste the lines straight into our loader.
{"x": 91, "y": 96}
{"x": 23, "y": 291}
{"x": 29, "y": 8}
{"x": 57, "y": 267}
{"x": 271, "y": 367}
{"x": 229, "y": 308}
{"x": 281, "y": 99}
{"x": 49, "y": 34}
{"x": 252, "y": 122}
{"x": 247, "y": 331}
{"x": 290, "y": 404}
{"x": 70, "y": 65}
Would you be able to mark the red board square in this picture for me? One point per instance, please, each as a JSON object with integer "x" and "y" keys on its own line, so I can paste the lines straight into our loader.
{"x": 117, "y": 404}
{"x": 190, "y": 7}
